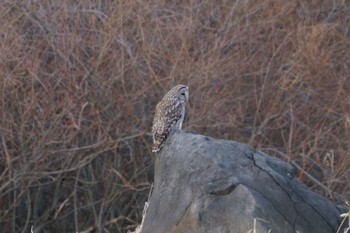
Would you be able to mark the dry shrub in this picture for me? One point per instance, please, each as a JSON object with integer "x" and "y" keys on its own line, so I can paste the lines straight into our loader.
{"x": 80, "y": 80}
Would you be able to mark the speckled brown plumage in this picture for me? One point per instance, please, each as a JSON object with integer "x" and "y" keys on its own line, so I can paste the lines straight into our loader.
{"x": 170, "y": 113}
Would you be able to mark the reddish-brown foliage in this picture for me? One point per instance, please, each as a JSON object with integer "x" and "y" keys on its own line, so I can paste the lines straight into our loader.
{"x": 80, "y": 81}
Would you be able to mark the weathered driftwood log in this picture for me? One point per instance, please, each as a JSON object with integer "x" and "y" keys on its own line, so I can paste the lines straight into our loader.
{"x": 208, "y": 185}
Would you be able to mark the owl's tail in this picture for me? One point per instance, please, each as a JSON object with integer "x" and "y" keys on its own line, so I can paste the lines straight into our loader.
{"x": 155, "y": 148}
{"x": 158, "y": 142}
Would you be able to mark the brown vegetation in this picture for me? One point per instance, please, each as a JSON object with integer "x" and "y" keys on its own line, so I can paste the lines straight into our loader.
{"x": 80, "y": 80}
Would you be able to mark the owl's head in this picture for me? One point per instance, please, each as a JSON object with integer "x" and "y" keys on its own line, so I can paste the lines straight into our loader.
{"x": 182, "y": 93}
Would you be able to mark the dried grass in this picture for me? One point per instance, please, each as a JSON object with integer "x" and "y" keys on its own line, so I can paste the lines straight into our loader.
{"x": 80, "y": 80}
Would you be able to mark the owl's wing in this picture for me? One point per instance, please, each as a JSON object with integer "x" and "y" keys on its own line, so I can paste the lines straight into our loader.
{"x": 164, "y": 122}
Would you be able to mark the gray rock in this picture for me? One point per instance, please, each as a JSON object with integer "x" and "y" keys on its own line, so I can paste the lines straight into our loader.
{"x": 207, "y": 185}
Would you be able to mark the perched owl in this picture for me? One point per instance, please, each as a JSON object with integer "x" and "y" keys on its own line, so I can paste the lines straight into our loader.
{"x": 170, "y": 113}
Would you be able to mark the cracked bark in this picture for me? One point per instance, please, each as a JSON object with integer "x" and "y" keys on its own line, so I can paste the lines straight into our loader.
{"x": 206, "y": 185}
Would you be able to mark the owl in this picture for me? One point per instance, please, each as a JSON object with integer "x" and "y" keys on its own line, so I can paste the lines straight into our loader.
{"x": 170, "y": 113}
